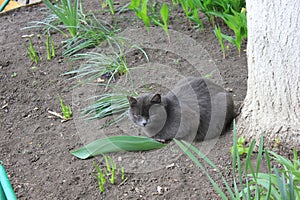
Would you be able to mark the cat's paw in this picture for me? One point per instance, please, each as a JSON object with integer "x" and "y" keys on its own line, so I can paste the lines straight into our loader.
{"x": 160, "y": 140}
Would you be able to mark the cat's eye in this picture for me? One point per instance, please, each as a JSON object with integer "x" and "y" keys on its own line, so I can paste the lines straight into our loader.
{"x": 136, "y": 116}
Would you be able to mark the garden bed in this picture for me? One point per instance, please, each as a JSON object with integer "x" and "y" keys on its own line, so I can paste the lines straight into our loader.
{"x": 35, "y": 146}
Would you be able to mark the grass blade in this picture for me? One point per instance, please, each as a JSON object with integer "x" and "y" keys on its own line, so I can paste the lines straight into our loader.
{"x": 196, "y": 161}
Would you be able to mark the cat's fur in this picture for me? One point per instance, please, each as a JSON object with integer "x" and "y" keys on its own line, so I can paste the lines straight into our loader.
{"x": 196, "y": 109}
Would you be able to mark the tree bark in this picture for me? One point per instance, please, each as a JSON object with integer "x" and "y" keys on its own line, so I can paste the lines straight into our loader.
{"x": 272, "y": 103}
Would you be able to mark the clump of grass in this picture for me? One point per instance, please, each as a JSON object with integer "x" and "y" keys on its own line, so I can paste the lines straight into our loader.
{"x": 67, "y": 13}
{"x": 111, "y": 172}
{"x": 32, "y": 52}
{"x": 86, "y": 30}
{"x": 255, "y": 185}
{"x": 107, "y": 105}
{"x": 91, "y": 32}
{"x": 98, "y": 66}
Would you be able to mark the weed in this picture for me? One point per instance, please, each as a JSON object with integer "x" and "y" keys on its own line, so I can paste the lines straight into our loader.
{"x": 240, "y": 147}
{"x": 238, "y": 23}
{"x": 100, "y": 178}
{"x": 110, "y": 4}
{"x": 111, "y": 172}
{"x": 66, "y": 110}
{"x": 164, "y": 12}
{"x": 141, "y": 10}
{"x": 277, "y": 143}
{"x": 32, "y": 52}
{"x": 110, "y": 169}
{"x": 51, "y": 52}
{"x": 220, "y": 38}
{"x": 14, "y": 75}
{"x": 122, "y": 173}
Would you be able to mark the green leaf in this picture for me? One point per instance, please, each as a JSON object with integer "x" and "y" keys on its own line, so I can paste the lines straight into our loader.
{"x": 164, "y": 13}
{"x": 134, "y": 4}
{"x": 116, "y": 144}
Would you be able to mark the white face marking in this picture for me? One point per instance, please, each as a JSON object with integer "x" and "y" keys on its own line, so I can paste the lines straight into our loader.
{"x": 142, "y": 122}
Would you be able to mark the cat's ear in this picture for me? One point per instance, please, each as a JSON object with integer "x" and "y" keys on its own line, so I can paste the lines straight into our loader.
{"x": 156, "y": 98}
{"x": 132, "y": 101}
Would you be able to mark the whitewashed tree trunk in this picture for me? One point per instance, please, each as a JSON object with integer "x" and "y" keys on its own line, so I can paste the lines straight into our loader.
{"x": 272, "y": 103}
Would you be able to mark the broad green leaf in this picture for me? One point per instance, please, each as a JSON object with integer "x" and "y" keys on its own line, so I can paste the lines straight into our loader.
{"x": 116, "y": 144}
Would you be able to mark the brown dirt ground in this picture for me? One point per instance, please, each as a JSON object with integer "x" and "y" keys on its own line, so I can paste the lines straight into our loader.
{"x": 35, "y": 148}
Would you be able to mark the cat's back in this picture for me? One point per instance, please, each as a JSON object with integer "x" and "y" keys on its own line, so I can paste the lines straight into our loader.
{"x": 190, "y": 90}
{"x": 190, "y": 86}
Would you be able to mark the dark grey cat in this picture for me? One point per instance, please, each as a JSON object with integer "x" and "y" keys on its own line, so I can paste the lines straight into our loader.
{"x": 196, "y": 109}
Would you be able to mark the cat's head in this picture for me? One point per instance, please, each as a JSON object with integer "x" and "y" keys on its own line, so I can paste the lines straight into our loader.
{"x": 148, "y": 112}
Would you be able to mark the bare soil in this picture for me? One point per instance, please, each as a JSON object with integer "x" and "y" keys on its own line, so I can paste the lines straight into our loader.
{"x": 35, "y": 148}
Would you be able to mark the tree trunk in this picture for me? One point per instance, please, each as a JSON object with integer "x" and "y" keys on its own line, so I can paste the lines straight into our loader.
{"x": 272, "y": 103}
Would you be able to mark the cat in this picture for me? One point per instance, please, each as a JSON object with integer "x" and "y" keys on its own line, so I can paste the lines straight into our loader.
{"x": 195, "y": 109}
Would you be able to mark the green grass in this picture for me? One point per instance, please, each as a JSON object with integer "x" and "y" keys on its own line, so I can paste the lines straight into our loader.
{"x": 248, "y": 182}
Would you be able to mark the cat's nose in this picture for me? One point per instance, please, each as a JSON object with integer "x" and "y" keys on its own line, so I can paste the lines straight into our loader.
{"x": 144, "y": 123}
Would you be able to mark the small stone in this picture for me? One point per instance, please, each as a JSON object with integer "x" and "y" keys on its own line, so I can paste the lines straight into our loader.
{"x": 159, "y": 190}
{"x": 170, "y": 166}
